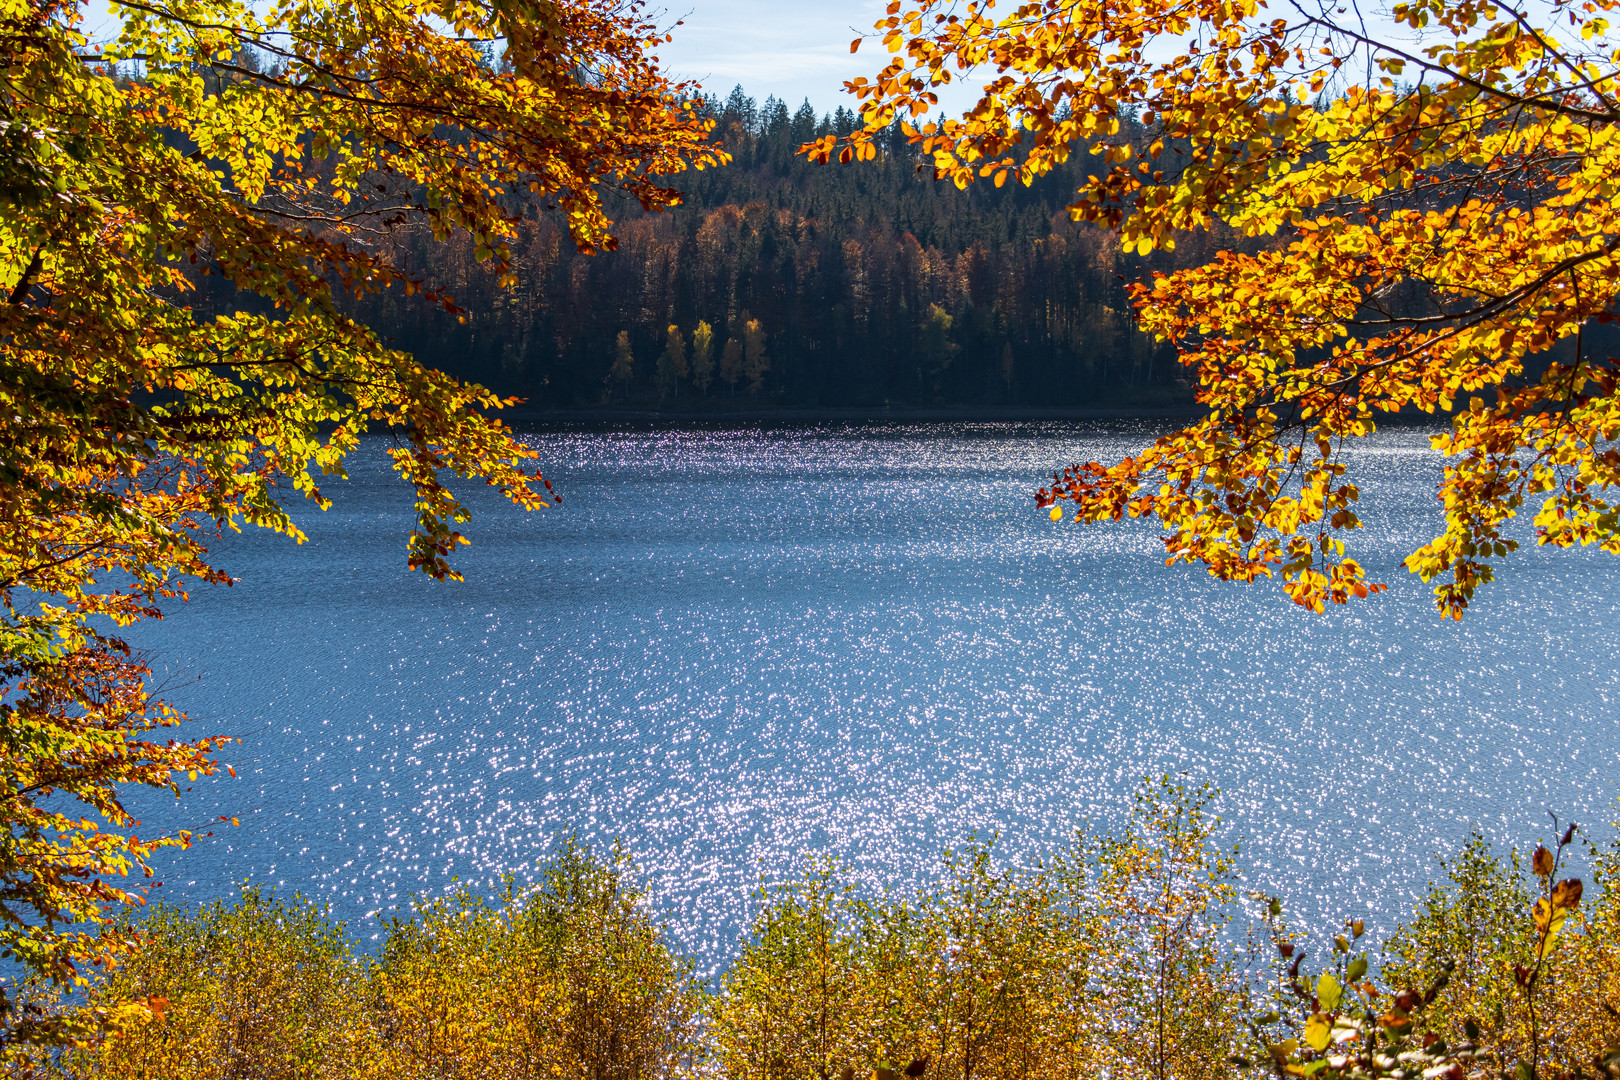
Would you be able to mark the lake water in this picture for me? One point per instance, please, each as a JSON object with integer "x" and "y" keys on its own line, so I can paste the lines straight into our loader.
{"x": 734, "y": 649}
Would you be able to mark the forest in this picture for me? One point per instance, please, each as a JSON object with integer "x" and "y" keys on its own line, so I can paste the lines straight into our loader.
{"x": 871, "y": 285}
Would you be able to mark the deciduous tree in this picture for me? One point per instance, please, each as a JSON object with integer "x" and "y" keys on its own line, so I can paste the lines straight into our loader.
{"x": 756, "y": 362}
{"x": 624, "y": 362}
{"x": 1430, "y": 226}
{"x": 272, "y": 147}
{"x": 703, "y": 356}
{"x": 672, "y": 362}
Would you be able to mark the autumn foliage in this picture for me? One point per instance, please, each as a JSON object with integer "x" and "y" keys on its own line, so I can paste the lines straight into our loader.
{"x": 267, "y": 147}
{"x": 569, "y": 977}
{"x": 1434, "y": 232}
{"x": 1131, "y": 954}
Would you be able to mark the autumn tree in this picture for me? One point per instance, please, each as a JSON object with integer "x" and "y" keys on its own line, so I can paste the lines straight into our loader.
{"x": 261, "y": 160}
{"x": 1424, "y": 225}
{"x": 936, "y": 349}
{"x": 703, "y": 356}
{"x": 756, "y": 363}
{"x": 1104, "y": 960}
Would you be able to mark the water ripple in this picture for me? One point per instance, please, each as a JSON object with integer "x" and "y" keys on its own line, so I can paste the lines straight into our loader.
{"x": 735, "y": 648}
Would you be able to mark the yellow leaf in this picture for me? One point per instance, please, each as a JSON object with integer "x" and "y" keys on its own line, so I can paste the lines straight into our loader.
{"x": 1318, "y": 1032}
{"x": 1328, "y": 992}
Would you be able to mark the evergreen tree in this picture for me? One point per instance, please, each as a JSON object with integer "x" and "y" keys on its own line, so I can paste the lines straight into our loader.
{"x": 740, "y": 108}
{"x": 624, "y": 365}
{"x": 731, "y": 363}
{"x": 773, "y": 118}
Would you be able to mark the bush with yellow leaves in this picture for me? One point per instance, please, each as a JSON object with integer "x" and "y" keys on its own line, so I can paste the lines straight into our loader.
{"x": 570, "y": 978}
{"x": 1108, "y": 961}
{"x": 1498, "y": 975}
{"x": 259, "y": 988}
{"x": 1122, "y": 957}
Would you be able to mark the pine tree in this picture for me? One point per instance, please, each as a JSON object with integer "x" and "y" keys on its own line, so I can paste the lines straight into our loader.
{"x": 731, "y": 363}
{"x": 624, "y": 365}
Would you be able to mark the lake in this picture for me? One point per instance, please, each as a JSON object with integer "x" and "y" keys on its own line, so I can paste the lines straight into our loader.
{"x": 735, "y": 649}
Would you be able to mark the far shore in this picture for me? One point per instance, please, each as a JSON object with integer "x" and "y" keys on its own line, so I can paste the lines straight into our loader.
{"x": 524, "y": 416}
{"x": 978, "y": 414}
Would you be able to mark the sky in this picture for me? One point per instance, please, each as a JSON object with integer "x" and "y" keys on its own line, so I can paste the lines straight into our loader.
{"x": 793, "y": 50}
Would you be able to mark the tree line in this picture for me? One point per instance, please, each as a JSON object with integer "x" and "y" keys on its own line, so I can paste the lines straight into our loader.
{"x": 784, "y": 283}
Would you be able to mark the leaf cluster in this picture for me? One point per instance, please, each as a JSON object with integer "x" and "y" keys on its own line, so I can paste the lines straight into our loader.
{"x": 264, "y": 146}
{"x": 1439, "y": 246}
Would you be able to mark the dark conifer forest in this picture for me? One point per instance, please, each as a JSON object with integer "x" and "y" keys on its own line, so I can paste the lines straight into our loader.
{"x": 783, "y": 284}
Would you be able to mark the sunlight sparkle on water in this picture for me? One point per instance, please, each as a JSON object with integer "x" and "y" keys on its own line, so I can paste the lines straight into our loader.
{"x": 737, "y": 649}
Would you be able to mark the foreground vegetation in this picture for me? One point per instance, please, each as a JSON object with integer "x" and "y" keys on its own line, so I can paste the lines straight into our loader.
{"x": 1127, "y": 955}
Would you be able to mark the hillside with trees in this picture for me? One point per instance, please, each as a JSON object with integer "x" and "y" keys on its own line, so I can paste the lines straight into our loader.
{"x": 782, "y": 283}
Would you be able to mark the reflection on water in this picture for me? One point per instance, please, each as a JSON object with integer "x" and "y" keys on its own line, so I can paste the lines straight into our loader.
{"x": 735, "y": 648}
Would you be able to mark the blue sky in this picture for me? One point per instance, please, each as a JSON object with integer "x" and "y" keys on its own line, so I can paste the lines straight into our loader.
{"x": 792, "y": 50}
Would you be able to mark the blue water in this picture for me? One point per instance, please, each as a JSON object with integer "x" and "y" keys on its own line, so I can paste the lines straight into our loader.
{"x": 735, "y": 649}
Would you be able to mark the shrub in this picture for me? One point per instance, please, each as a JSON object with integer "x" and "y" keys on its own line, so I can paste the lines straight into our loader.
{"x": 260, "y": 988}
{"x": 1117, "y": 959}
{"x": 1499, "y": 974}
{"x": 1107, "y": 962}
{"x": 570, "y": 978}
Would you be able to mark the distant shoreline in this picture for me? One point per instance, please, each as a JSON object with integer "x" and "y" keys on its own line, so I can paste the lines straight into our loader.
{"x": 528, "y": 416}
